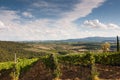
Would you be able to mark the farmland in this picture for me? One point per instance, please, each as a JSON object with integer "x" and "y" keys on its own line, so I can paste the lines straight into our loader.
{"x": 58, "y": 60}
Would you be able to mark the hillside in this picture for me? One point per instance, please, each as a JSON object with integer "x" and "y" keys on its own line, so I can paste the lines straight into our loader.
{"x": 8, "y": 49}
{"x": 37, "y": 49}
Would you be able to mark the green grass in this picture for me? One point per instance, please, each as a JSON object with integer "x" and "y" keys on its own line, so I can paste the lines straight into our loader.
{"x": 6, "y": 65}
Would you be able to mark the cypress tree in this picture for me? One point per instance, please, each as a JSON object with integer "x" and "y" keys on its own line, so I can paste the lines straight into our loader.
{"x": 117, "y": 44}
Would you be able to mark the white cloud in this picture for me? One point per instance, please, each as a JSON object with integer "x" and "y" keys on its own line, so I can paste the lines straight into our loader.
{"x": 41, "y": 4}
{"x": 82, "y": 9}
{"x": 113, "y": 26}
{"x": 8, "y": 17}
{"x": 98, "y": 25}
{"x": 1, "y": 24}
{"x": 27, "y": 14}
{"x": 9, "y": 13}
{"x": 44, "y": 29}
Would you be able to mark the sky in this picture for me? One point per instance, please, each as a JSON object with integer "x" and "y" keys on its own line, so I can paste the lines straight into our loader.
{"x": 22, "y": 20}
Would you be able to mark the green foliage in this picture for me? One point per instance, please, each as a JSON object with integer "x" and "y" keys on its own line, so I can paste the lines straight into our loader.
{"x": 108, "y": 58}
{"x": 88, "y": 45}
{"x": 71, "y": 59}
{"x": 93, "y": 69}
{"x": 118, "y": 44}
{"x": 51, "y": 61}
{"x": 56, "y": 65}
{"x": 63, "y": 52}
{"x": 47, "y": 61}
{"x": 19, "y": 67}
{"x": 6, "y": 65}
{"x": 77, "y": 59}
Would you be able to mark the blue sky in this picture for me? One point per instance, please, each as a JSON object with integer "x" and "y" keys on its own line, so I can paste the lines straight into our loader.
{"x": 58, "y": 19}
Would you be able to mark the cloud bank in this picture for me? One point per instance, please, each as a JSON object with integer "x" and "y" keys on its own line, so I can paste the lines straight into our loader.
{"x": 16, "y": 28}
{"x": 97, "y": 24}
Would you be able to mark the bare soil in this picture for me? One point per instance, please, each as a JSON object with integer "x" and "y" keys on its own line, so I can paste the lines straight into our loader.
{"x": 5, "y": 74}
{"x": 108, "y": 72}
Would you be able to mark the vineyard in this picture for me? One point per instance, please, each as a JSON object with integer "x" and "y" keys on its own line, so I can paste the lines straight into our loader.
{"x": 88, "y": 66}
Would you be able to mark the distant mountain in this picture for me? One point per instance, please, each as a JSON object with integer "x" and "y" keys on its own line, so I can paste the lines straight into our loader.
{"x": 87, "y": 39}
{"x": 92, "y": 39}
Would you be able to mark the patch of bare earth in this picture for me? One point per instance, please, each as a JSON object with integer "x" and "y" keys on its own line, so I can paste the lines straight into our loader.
{"x": 71, "y": 72}
{"x": 5, "y": 74}
{"x": 108, "y": 72}
{"x": 37, "y": 72}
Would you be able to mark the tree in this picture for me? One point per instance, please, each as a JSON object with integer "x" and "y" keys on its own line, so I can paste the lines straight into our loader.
{"x": 118, "y": 44}
{"x": 106, "y": 46}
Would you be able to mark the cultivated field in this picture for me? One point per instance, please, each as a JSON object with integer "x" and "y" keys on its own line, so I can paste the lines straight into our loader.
{"x": 58, "y": 61}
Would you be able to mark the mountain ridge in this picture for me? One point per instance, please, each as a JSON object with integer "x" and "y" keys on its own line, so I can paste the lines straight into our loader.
{"x": 86, "y": 39}
{"x": 93, "y": 39}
